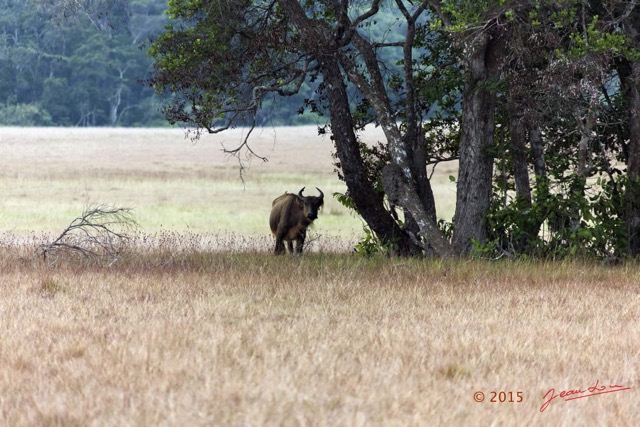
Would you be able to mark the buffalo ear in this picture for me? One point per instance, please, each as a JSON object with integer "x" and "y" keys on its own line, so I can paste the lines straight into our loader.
{"x": 299, "y": 201}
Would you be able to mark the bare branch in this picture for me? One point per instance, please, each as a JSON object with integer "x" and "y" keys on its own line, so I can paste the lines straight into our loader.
{"x": 287, "y": 87}
{"x": 100, "y": 231}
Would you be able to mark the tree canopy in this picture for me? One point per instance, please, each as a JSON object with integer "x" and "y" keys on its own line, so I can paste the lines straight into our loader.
{"x": 538, "y": 101}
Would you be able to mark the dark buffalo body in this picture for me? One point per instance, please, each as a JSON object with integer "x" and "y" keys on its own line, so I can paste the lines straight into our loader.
{"x": 291, "y": 215}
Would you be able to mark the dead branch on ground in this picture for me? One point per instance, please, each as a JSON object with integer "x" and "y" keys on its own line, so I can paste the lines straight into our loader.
{"x": 100, "y": 231}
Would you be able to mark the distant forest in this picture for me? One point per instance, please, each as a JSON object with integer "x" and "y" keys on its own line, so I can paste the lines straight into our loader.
{"x": 83, "y": 63}
{"x": 63, "y": 63}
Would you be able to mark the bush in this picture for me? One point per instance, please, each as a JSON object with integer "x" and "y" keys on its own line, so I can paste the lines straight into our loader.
{"x": 24, "y": 115}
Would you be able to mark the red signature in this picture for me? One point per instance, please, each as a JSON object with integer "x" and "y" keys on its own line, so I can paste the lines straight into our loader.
{"x": 568, "y": 395}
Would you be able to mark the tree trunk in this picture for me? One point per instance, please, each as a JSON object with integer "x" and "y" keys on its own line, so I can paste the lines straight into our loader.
{"x": 423, "y": 188}
{"x": 630, "y": 84}
{"x": 537, "y": 151}
{"x": 369, "y": 203}
{"x": 406, "y": 184}
{"x": 405, "y": 179}
{"x": 541, "y": 181}
{"x": 476, "y": 162}
{"x": 403, "y": 193}
{"x": 519, "y": 156}
{"x": 529, "y": 222}
{"x": 320, "y": 40}
{"x": 585, "y": 123}
{"x": 115, "y": 101}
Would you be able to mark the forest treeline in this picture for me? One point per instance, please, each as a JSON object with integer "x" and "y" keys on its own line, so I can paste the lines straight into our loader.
{"x": 77, "y": 64}
{"x": 84, "y": 63}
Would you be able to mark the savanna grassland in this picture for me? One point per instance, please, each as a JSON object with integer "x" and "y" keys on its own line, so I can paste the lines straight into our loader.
{"x": 198, "y": 324}
{"x": 172, "y": 183}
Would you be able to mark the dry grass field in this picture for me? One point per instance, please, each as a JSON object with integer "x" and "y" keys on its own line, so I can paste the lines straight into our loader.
{"x": 49, "y": 175}
{"x": 198, "y": 324}
{"x": 325, "y": 339}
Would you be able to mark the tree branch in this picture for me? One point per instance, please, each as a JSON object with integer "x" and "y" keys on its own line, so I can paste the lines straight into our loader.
{"x": 98, "y": 231}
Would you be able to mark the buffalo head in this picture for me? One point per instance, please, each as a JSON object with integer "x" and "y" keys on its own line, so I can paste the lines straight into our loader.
{"x": 311, "y": 204}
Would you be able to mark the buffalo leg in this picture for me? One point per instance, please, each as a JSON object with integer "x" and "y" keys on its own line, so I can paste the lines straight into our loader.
{"x": 279, "y": 246}
{"x": 300, "y": 242}
{"x": 290, "y": 246}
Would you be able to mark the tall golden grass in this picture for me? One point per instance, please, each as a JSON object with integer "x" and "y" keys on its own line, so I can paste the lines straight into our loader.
{"x": 197, "y": 323}
{"x": 176, "y": 335}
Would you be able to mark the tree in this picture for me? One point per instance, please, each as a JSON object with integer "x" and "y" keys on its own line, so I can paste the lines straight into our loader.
{"x": 221, "y": 59}
{"x": 626, "y": 18}
{"x": 573, "y": 129}
{"x": 534, "y": 87}
{"x": 482, "y": 44}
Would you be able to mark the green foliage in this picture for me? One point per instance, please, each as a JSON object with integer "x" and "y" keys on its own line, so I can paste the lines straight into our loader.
{"x": 24, "y": 115}
{"x": 579, "y": 207}
{"x": 568, "y": 222}
{"x": 369, "y": 244}
{"x": 206, "y": 57}
{"x": 466, "y": 14}
{"x": 345, "y": 201}
{"x": 593, "y": 40}
{"x": 80, "y": 63}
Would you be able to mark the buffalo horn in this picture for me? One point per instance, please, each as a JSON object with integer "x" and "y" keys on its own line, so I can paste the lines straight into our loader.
{"x": 300, "y": 193}
{"x": 321, "y": 193}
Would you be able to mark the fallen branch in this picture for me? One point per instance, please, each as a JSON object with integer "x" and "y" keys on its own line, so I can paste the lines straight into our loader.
{"x": 99, "y": 231}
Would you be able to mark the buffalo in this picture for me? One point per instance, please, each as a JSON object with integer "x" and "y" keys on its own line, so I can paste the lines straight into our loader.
{"x": 291, "y": 215}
